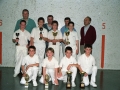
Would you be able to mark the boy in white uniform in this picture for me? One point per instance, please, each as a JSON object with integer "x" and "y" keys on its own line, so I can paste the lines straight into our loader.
{"x": 87, "y": 63}
{"x": 72, "y": 38}
{"x": 50, "y": 67}
{"x": 21, "y": 48}
{"x": 68, "y": 63}
{"x": 54, "y": 41}
{"x": 30, "y": 65}
{"x": 38, "y": 39}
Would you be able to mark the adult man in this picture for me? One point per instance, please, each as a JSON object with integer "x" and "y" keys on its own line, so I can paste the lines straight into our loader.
{"x": 30, "y": 24}
{"x": 88, "y": 34}
{"x": 48, "y": 25}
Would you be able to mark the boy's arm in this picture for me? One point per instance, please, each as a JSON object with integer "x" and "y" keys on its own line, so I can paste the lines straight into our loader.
{"x": 31, "y": 65}
{"x": 56, "y": 74}
{"x": 23, "y": 70}
{"x": 44, "y": 73}
{"x": 31, "y": 41}
{"x": 77, "y": 45}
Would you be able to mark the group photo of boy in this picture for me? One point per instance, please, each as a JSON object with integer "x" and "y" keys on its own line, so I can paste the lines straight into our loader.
{"x": 38, "y": 50}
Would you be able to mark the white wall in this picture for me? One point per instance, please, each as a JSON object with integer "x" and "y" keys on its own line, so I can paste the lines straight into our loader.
{"x": 100, "y": 11}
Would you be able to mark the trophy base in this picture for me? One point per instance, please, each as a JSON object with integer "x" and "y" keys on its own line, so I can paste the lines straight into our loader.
{"x": 82, "y": 85}
{"x": 46, "y": 86}
{"x": 68, "y": 86}
{"x": 54, "y": 43}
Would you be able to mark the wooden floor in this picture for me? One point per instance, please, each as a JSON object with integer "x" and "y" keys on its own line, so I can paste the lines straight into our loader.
{"x": 106, "y": 80}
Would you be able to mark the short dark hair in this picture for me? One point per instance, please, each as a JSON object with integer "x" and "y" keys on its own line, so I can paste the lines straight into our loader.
{"x": 50, "y": 49}
{"x": 55, "y": 22}
{"x": 22, "y": 21}
{"x": 25, "y": 10}
{"x": 89, "y": 18}
{"x": 31, "y": 47}
{"x": 87, "y": 46}
{"x": 50, "y": 16}
{"x": 41, "y": 18}
{"x": 67, "y": 18}
{"x": 71, "y": 23}
{"x": 68, "y": 48}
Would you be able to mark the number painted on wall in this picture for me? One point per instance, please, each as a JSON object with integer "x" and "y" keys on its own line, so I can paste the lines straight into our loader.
{"x": 103, "y": 25}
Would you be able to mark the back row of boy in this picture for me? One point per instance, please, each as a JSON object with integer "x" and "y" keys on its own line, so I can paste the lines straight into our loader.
{"x": 86, "y": 62}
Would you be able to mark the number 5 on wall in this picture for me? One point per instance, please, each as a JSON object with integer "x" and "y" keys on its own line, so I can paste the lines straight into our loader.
{"x": 103, "y": 25}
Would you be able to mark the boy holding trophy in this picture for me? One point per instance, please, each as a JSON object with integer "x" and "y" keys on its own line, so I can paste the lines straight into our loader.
{"x": 38, "y": 39}
{"x": 87, "y": 63}
{"x": 68, "y": 64}
{"x": 20, "y": 37}
{"x": 71, "y": 39}
{"x": 54, "y": 39}
{"x": 30, "y": 65}
{"x": 50, "y": 67}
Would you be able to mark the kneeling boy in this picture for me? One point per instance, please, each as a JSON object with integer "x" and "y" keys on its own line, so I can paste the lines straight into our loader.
{"x": 30, "y": 65}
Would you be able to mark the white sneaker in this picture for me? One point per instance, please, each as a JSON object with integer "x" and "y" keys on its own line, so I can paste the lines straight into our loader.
{"x": 34, "y": 83}
{"x": 93, "y": 84}
{"x": 15, "y": 75}
{"x": 73, "y": 84}
{"x": 22, "y": 80}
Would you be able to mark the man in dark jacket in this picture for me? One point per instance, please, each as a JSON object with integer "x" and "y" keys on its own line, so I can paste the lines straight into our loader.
{"x": 88, "y": 34}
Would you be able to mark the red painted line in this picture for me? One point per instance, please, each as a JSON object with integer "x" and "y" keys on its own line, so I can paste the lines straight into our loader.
{"x": 102, "y": 51}
{"x": 0, "y": 47}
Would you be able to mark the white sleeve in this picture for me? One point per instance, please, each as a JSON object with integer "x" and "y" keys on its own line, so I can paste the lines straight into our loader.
{"x": 14, "y": 36}
{"x": 79, "y": 60}
{"x": 37, "y": 59}
{"x": 60, "y": 35}
{"x": 56, "y": 64}
{"x": 46, "y": 34}
{"x": 33, "y": 33}
{"x": 44, "y": 63}
{"x": 76, "y": 36}
{"x": 61, "y": 63}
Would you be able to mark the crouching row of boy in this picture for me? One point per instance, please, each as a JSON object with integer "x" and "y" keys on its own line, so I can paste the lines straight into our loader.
{"x": 86, "y": 63}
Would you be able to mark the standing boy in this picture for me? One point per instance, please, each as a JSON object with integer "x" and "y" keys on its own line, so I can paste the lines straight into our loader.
{"x": 21, "y": 37}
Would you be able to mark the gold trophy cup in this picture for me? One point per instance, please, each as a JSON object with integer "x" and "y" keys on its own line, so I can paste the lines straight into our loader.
{"x": 55, "y": 34}
{"x": 26, "y": 79}
{"x": 46, "y": 81}
{"x": 67, "y": 39}
{"x": 82, "y": 85}
{"x": 69, "y": 77}
{"x": 41, "y": 29}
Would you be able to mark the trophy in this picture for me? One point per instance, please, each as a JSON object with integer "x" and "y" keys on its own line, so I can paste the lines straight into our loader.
{"x": 69, "y": 78}
{"x": 26, "y": 79}
{"x": 41, "y": 29}
{"x": 67, "y": 40}
{"x": 17, "y": 34}
{"x": 82, "y": 85}
{"x": 46, "y": 81}
{"x": 55, "y": 34}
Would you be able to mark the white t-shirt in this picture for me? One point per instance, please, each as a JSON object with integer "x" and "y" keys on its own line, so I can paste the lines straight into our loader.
{"x": 51, "y": 37}
{"x": 85, "y": 62}
{"x": 50, "y": 64}
{"x": 73, "y": 36}
{"x": 66, "y": 61}
{"x": 24, "y": 36}
{"x": 36, "y": 35}
{"x": 30, "y": 60}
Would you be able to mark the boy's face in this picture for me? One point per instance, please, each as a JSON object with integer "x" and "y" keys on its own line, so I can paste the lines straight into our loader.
{"x": 31, "y": 52}
{"x": 40, "y": 23}
{"x": 54, "y": 26}
{"x": 70, "y": 26}
{"x": 88, "y": 51}
{"x": 49, "y": 53}
{"x": 22, "y": 25}
{"x": 68, "y": 53}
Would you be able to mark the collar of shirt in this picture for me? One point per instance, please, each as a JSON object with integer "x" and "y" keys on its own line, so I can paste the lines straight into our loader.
{"x": 86, "y": 56}
{"x": 49, "y": 27}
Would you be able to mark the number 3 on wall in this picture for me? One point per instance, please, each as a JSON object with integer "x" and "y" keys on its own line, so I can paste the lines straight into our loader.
{"x": 103, "y": 25}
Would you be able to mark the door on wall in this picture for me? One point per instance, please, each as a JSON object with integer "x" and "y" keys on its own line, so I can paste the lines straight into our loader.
{"x": 0, "y": 47}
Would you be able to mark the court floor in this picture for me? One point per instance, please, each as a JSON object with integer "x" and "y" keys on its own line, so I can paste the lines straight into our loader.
{"x": 106, "y": 80}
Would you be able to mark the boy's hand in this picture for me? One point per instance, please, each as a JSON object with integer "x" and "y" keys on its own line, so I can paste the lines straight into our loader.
{"x": 85, "y": 74}
{"x": 16, "y": 40}
{"x": 28, "y": 67}
{"x": 54, "y": 41}
{"x": 41, "y": 35}
{"x": 56, "y": 82}
{"x": 69, "y": 66}
{"x": 24, "y": 74}
{"x": 59, "y": 74}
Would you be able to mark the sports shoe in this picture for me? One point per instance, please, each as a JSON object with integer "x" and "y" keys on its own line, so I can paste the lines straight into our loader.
{"x": 34, "y": 83}
{"x": 93, "y": 84}
{"x": 15, "y": 75}
{"x": 22, "y": 80}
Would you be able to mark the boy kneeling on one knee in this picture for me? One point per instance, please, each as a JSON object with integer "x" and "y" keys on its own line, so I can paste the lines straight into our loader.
{"x": 30, "y": 65}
